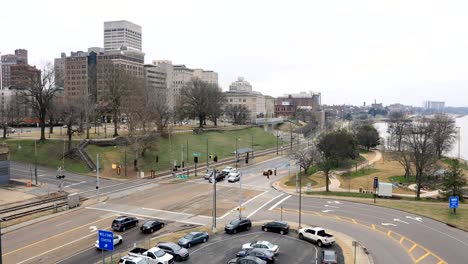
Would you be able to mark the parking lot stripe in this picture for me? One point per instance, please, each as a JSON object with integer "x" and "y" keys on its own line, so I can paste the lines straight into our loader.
{"x": 265, "y": 204}
{"x": 278, "y": 203}
{"x": 402, "y": 239}
{"x": 373, "y": 226}
{"x": 412, "y": 248}
{"x": 423, "y": 257}
{"x": 354, "y": 221}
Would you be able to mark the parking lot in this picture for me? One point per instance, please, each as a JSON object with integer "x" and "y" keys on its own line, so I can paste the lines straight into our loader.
{"x": 223, "y": 247}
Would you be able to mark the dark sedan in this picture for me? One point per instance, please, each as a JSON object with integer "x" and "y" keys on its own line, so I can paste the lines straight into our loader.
{"x": 277, "y": 227}
{"x": 248, "y": 259}
{"x": 151, "y": 225}
{"x": 238, "y": 225}
{"x": 193, "y": 238}
{"x": 260, "y": 253}
{"x": 179, "y": 253}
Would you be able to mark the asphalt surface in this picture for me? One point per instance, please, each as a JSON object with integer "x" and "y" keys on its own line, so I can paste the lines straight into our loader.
{"x": 391, "y": 236}
{"x": 223, "y": 247}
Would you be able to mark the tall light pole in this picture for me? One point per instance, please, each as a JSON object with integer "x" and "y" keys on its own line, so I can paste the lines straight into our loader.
{"x": 35, "y": 160}
{"x": 240, "y": 196}
{"x": 235, "y": 156}
{"x": 277, "y": 139}
{"x": 207, "y": 155}
{"x": 300, "y": 200}
{"x": 459, "y": 131}
{"x": 1, "y": 220}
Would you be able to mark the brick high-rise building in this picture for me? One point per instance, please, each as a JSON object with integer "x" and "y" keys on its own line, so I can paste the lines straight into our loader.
{"x": 20, "y": 57}
{"x": 23, "y": 76}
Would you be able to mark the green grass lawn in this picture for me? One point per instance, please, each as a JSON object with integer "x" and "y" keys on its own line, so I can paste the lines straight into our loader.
{"x": 222, "y": 144}
{"x": 363, "y": 172}
{"x": 402, "y": 179}
{"x": 462, "y": 165}
{"x": 49, "y": 154}
{"x": 305, "y": 178}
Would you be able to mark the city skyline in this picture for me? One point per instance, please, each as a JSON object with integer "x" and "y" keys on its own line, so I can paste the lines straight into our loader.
{"x": 386, "y": 51}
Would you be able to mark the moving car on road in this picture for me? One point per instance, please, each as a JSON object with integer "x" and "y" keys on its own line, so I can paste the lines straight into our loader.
{"x": 262, "y": 244}
{"x": 123, "y": 223}
{"x": 152, "y": 255}
{"x": 179, "y": 253}
{"x": 260, "y": 253}
{"x": 317, "y": 235}
{"x": 277, "y": 227}
{"x": 117, "y": 241}
{"x": 243, "y": 224}
{"x": 329, "y": 257}
{"x": 193, "y": 238}
{"x": 209, "y": 174}
{"x": 219, "y": 177}
{"x": 228, "y": 170}
{"x": 234, "y": 176}
{"x": 246, "y": 260}
{"x": 151, "y": 225}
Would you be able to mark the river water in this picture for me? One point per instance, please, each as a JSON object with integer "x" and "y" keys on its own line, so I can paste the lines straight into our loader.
{"x": 461, "y": 122}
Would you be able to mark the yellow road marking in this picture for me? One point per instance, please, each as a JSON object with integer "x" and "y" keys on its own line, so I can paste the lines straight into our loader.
{"x": 412, "y": 248}
{"x": 422, "y": 257}
{"x": 373, "y": 226}
{"x": 49, "y": 238}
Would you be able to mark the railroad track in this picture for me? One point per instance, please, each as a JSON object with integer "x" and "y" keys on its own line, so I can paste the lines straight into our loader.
{"x": 60, "y": 201}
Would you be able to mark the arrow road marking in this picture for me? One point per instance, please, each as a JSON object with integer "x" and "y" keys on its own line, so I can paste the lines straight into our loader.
{"x": 327, "y": 211}
{"x": 419, "y": 219}
{"x": 335, "y": 202}
{"x": 388, "y": 224}
{"x": 330, "y": 206}
{"x": 398, "y": 220}
{"x": 93, "y": 229}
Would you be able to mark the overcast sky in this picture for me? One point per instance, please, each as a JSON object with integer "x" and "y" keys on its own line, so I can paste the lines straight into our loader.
{"x": 351, "y": 51}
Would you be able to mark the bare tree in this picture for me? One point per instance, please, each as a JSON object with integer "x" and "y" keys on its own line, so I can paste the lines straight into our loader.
{"x": 215, "y": 105}
{"x": 117, "y": 83}
{"x": 162, "y": 112}
{"x": 70, "y": 115}
{"x": 238, "y": 113}
{"x": 419, "y": 141}
{"x": 39, "y": 94}
{"x": 444, "y": 133}
{"x": 306, "y": 157}
{"x": 398, "y": 124}
{"x": 199, "y": 99}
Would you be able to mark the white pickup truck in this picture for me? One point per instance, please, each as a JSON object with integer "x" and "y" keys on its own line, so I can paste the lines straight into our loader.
{"x": 317, "y": 235}
{"x": 153, "y": 255}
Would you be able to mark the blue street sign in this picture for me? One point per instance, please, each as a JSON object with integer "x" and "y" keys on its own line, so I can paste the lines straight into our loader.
{"x": 376, "y": 182}
{"x": 453, "y": 201}
{"x": 106, "y": 240}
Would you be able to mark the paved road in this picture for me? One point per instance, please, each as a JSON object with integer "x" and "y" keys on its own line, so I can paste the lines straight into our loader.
{"x": 407, "y": 240}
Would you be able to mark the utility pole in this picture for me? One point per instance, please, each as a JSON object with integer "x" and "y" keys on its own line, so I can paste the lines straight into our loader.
{"x": 459, "y": 131}
{"x": 300, "y": 201}
{"x": 277, "y": 139}
{"x": 214, "y": 196}
{"x": 35, "y": 160}
{"x": 97, "y": 176}
{"x": 240, "y": 196}
{"x": 291, "y": 137}
{"x": 207, "y": 155}
{"x": 1, "y": 220}
{"x": 236, "y": 152}
{"x": 125, "y": 157}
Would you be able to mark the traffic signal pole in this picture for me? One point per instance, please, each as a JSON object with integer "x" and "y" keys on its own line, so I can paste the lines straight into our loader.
{"x": 97, "y": 177}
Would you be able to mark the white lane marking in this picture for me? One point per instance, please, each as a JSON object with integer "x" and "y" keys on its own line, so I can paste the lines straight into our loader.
{"x": 170, "y": 212}
{"x": 278, "y": 203}
{"x": 335, "y": 202}
{"x": 66, "y": 222}
{"x": 246, "y": 202}
{"x": 327, "y": 211}
{"x": 388, "y": 224}
{"x": 74, "y": 184}
{"x": 330, "y": 206}
{"x": 142, "y": 215}
{"x": 398, "y": 220}
{"x": 265, "y": 204}
{"x": 419, "y": 219}
{"x": 59, "y": 247}
{"x": 93, "y": 229}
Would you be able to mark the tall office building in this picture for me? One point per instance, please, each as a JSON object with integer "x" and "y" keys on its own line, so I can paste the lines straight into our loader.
{"x": 19, "y": 58}
{"x": 122, "y": 33}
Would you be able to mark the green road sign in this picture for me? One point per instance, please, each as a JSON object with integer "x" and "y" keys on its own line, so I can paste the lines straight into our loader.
{"x": 196, "y": 154}
{"x": 182, "y": 176}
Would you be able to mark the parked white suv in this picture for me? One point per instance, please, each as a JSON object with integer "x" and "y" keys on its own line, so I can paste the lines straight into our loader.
{"x": 234, "y": 176}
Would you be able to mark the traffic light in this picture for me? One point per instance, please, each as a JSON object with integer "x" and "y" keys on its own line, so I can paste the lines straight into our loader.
{"x": 157, "y": 158}
{"x": 215, "y": 158}
{"x": 195, "y": 159}
{"x": 211, "y": 156}
{"x": 118, "y": 170}
{"x": 247, "y": 158}
{"x": 183, "y": 164}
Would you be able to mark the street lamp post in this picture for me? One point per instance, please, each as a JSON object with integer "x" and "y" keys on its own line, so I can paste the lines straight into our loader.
{"x": 300, "y": 201}
{"x": 235, "y": 156}
{"x": 277, "y": 139}
{"x": 1, "y": 220}
{"x": 459, "y": 130}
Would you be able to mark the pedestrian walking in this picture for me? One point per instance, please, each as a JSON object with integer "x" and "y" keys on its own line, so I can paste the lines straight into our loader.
{"x": 275, "y": 171}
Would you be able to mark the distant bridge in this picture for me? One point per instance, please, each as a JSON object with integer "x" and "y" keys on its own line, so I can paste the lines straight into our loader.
{"x": 269, "y": 121}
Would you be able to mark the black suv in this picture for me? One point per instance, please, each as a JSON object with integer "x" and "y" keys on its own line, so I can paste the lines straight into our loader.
{"x": 277, "y": 227}
{"x": 219, "y": 177}
{"x": 123, "y": 223}
{"x": 243, "y": 224}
